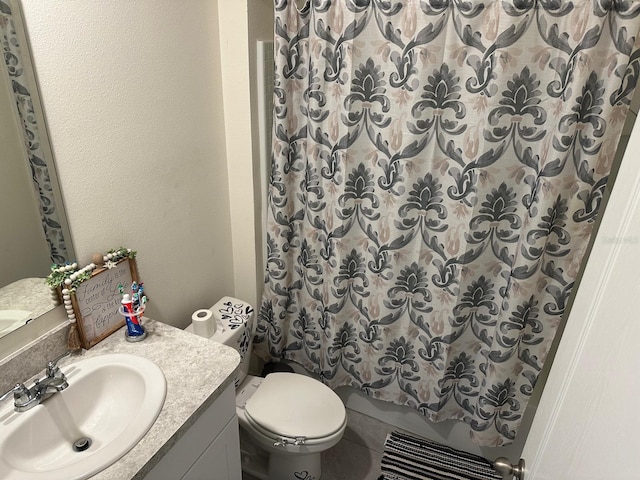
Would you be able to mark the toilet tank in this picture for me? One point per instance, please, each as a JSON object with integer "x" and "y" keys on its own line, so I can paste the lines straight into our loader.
{"x": 234, "y": 327}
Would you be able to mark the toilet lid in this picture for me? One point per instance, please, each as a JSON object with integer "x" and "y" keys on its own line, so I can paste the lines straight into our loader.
{"x": 294, "y": 405}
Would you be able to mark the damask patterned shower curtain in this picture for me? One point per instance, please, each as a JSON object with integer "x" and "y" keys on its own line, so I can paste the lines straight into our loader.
{"x": 437, "y": 169}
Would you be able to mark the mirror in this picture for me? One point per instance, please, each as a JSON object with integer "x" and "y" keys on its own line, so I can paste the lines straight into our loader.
{"x": 35, "y": 233}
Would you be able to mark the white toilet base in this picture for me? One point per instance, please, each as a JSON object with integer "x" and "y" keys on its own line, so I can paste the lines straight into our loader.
{"x": 304, "y": 467}
{"x": 264, "y": 466}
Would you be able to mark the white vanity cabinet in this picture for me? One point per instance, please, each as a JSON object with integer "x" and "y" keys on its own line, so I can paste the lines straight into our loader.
{"x": 209, "y": 450}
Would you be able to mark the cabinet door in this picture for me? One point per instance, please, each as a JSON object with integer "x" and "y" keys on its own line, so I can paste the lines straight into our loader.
{"x": 221, "y": 460}
{"x": 216, "y": 428}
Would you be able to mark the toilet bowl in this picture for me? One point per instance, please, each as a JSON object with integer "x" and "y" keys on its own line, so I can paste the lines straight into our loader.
{"x": 290, "y": 416}
{"x": 293, "y": 418}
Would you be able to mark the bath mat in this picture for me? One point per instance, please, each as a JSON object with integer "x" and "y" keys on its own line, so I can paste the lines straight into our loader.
{"x": 406, "y": 457}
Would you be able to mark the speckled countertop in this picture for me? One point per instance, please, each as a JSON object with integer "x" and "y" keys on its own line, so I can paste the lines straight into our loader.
{"x": 197, "y": 372}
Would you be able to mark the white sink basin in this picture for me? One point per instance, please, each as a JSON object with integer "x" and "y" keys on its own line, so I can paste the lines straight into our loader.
{"x": 12, "y": 319}
{"x": 112, "y": 399}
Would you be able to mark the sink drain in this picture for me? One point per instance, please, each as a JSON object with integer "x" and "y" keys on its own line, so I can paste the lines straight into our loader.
{"x": 81, "y": 444}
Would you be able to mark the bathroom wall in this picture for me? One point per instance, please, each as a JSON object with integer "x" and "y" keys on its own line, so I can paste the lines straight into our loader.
{"x": 242, "y": 24}
{"x": 133, "y": 96}
{"x": 24, "y": 252}
{"x": 260, "y": 21}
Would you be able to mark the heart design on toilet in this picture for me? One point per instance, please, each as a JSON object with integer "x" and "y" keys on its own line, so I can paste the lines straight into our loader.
{"x": 226, "y": 312}
{"x": 235, "y": 315}
{"x": 304, "y": 475}
{"x": 236, "y": 321}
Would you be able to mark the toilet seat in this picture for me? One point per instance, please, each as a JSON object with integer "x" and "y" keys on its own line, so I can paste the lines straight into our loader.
{"x": 294, "y": 406}
{"x": 276, "y": 440}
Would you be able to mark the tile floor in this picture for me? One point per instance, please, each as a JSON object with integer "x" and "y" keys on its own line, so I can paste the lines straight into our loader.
{"x": 357, "y": 456}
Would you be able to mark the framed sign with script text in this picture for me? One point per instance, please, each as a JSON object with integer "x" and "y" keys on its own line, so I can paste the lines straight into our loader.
{"x": 96, "y": 300}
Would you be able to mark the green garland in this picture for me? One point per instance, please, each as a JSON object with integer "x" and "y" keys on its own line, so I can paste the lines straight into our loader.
{"x": 68, "y": 276}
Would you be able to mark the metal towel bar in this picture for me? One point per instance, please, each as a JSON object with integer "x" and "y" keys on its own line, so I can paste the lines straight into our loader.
{"x": 504, "y": 467}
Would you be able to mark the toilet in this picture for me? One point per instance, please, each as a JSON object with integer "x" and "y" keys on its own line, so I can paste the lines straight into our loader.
{"x": 290, "y": 417}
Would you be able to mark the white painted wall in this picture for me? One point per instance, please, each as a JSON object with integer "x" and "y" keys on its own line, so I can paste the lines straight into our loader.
{"x": 237, "y": 112}
{"x": 133, "y": 97}
{"x": 260, "y": 20}
{"x": 24, "y": 253}
{"x": 242, "y": 23}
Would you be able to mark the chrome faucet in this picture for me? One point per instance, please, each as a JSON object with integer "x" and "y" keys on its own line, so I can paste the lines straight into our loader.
{"x": 26, "y": 398}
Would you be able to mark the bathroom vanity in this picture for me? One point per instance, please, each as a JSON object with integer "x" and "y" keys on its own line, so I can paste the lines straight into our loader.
{"x": 198, "y": 416}
{"x": 195, "y": 435}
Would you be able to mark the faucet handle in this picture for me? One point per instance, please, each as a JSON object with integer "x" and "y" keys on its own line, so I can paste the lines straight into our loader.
{"x": 54, "y": 373}
{"x": 52, "y": 365}
{"x": 52, "y": 369}
{"x": 21, "y": 394}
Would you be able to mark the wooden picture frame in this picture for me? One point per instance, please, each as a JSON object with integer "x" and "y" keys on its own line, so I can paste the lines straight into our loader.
{"x": 96, "y": 300}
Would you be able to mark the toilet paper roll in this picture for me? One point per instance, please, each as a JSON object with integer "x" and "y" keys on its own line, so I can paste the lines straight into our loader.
{"x": 203, "y": 322}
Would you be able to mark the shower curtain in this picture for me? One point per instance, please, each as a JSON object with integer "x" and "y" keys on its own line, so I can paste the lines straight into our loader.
{"x": 437, "y": 169}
